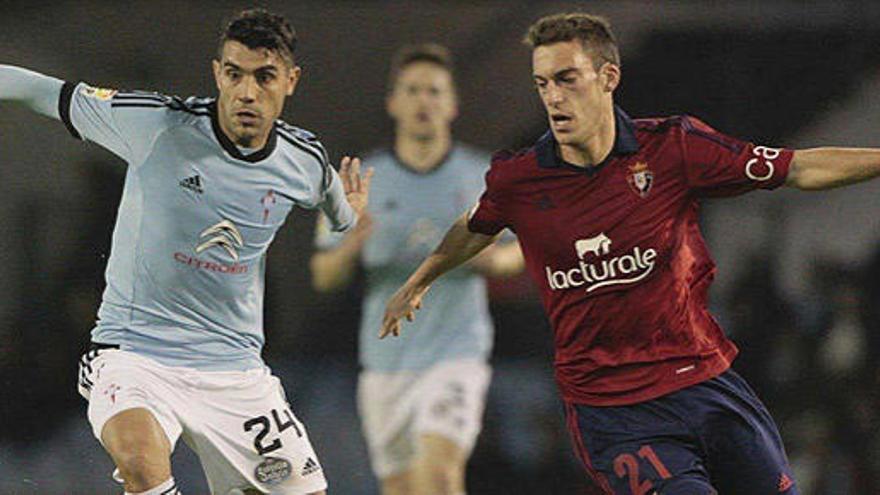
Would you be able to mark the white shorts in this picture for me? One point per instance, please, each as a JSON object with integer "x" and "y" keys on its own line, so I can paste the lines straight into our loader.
{"x": 238, "y": 422}
{"x": 447, "y": 399}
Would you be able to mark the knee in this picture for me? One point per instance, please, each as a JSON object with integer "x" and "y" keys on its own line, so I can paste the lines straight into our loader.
{"x": 140, "y": 469}
{"x": 440, "y": 478}
{"x": 139, "y": 449}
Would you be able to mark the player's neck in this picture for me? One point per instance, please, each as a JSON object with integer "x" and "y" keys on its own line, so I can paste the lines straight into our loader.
{"x": 422, "y": 155}
{"x": 593, "y": 150}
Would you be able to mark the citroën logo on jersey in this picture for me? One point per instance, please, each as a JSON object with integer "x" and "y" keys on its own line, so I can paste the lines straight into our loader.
{"x": 223, "y": 234}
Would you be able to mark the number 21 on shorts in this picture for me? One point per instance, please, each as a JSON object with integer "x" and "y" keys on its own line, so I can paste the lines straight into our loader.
{"x": 626, "y": 466}
{"x": 263, "y": 426}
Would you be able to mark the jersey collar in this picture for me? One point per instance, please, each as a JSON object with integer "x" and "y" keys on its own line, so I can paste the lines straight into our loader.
{"x": 625, "y": 143}
{"x": 436, "y": 168}
{"x": 233, "y": 150}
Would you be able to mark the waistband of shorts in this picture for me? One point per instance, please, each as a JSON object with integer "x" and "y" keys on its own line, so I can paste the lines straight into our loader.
{"x": 100, "y": 346}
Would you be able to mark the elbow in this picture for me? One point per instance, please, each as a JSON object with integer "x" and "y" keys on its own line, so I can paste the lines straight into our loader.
{"x": 327, "y": 275}
{"x": 320, "y": 285}
{"x": 321, "y": 282}
{"x": 814, "y": 182}
{"x": 805, "y": 180}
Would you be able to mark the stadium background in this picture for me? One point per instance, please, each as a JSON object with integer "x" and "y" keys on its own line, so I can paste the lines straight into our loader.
{"x": 799, "y": 274}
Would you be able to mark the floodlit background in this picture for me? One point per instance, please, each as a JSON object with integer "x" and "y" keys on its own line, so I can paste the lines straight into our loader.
{"x": 799, "y": 273}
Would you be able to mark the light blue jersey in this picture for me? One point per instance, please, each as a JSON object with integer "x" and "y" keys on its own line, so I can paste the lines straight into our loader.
{"x": 412, "y": 212}
{"x": 186, "y": 271}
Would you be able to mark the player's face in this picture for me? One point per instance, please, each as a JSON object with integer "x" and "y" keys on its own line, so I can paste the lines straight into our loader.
{"x": 423, "y": 102}
{"x": 575, "y": 94}
{"x": 253, "y": 86}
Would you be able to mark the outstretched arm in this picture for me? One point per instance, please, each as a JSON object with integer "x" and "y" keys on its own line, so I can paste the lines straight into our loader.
{"x": 826, "y": 168}
{"x": 38, "y": 92}
{"x": 459, "y": 245}
{"x": 334, "y": 268}
{"x": 502, "y": 259}
{"x": 346, "y": 203}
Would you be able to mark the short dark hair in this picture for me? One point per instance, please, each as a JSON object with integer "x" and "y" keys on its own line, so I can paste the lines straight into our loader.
{"x": 259, "y": 28}
{"x": 593, "y": 31}
{"x": 407, "y": 55}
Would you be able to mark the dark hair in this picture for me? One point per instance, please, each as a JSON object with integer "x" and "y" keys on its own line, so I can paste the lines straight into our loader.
{"x": 594, "y": 33}
{"x": 407, "y": 55}
{"x": 259, "y": 28}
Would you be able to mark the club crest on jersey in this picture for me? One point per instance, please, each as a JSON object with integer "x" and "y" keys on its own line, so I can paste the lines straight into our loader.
{"x": 268, "y": 201}
{"x": 640, "y": 178}
{"x": 102, "y": 94}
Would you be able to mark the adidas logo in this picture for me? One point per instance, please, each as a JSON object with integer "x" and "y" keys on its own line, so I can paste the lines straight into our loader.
{"x": 785, "y": 483}
{"x": 310, "y": 467}
{"x": 193, "y": 183}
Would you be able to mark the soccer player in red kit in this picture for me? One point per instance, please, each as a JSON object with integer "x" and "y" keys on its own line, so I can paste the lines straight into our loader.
{"x": 606, "y": 211}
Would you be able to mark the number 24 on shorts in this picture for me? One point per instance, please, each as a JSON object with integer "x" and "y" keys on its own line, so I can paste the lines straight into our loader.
{"x": 263, "y": 425}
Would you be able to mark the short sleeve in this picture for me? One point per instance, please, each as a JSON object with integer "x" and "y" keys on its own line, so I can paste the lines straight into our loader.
{"x": 720, "y": 165}
{"x": 486, "y": 216}
{"x": 124, "y": 123}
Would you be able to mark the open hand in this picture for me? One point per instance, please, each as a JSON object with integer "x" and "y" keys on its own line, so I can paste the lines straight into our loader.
{"x": 355, "y": 184}
{"x": 403, "y": 304}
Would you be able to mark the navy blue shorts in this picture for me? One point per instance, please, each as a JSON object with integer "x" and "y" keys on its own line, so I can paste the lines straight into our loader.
{"x": 711, "y": 438}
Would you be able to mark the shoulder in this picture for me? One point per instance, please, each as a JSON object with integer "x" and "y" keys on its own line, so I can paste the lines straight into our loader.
{"x": 306, "y": 147}
{"x": 682, "y": 124}
{"x": 513, "y": 160}
{"x": 469, "y": 161}
{"x": 303, "y": 141}
{"x": 158, "y": 101}
{"x": 158, "y": 107}
{"x": 378, "y": 157}
{"x": 471, "y": 153}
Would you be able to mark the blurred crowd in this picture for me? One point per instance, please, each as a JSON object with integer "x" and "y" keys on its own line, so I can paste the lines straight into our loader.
{"x": 814, "y": 363}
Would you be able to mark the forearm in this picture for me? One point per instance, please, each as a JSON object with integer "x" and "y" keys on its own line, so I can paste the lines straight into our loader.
{"x": 458, "y": 246}
{"x": 38, "y": 92}
{"x": 334, "y": 268}
{"x": 827, "y": 168}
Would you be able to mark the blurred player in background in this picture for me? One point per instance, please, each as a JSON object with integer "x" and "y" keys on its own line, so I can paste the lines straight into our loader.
{"x": 421, "y": 399}
{"x": 176, "y": 350}
{"x": 606, "y": 211}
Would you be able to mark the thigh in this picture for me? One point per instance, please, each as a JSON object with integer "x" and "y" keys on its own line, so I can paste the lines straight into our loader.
{"x": 745, "y": 449}
{"x": 450, "y": 400}
{"x": 638, "y": 450}
{"x": 139, "y": 448}
{"x": 115, "y": 381}
{"x": 386, "y": 409}
{"x": 247, "y": 436}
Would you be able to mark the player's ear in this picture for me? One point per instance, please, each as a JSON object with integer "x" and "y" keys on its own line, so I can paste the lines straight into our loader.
{"x": 215, "y": 64}
{"x": 293, "y": 79}
{"x": 391, "y": 104}
{"x": 610, "y": 76}
{"x": 454, "y": 113}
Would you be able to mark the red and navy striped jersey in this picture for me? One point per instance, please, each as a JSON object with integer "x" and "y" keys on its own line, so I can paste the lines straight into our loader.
{"x": 617, "y": 253}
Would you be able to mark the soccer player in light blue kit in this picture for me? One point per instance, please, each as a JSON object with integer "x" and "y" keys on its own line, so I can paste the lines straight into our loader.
{"x": 420, "y": 398}
{"x": 176, "y": 350}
